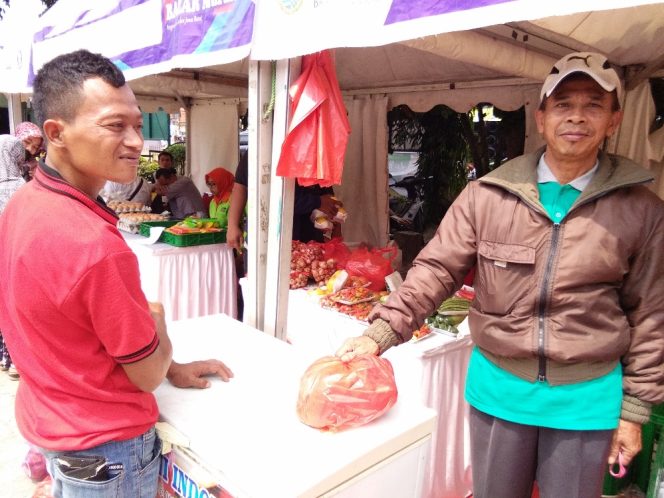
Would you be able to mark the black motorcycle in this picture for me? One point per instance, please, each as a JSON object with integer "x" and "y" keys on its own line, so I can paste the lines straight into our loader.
{"x": 406, "y": 201}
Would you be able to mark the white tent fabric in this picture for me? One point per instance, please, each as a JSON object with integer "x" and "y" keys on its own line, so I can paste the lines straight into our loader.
{"x": 148, "y": 37}
{"x": 284, "y": 29}
{"x": 365, "y": 171}
{"x": 214, "y": 138}
{"x": 634, "y": 139}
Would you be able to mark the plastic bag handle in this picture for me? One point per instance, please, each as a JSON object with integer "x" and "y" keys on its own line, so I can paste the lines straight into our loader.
{"x": 622, "y": 469}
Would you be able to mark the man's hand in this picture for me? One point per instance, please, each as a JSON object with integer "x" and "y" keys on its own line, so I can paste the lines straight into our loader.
{"x": 234, "y": 237}
{"x": 626, "y": 439}
{"x": 355, "y": 346}
{"x": 193, "y": 374}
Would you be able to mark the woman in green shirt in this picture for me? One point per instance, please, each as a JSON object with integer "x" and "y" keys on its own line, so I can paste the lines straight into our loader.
{"x": 220, "y": 182}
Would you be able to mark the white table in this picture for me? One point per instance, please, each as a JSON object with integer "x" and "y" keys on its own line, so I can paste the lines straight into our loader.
{"x": 435, "y": 374}
{"x": 247, "y": 432}
{"x": 189, "y": 281}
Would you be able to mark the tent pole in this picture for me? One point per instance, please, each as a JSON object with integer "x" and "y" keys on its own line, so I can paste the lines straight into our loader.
{"x": 258, "y": 190}
{"x": 282, "y": 195}
{"x": 15, "y": 112}
{"x": 187, "y": 164}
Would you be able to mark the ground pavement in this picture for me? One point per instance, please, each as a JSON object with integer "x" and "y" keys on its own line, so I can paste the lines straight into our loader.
{"x": 13, "y": 447}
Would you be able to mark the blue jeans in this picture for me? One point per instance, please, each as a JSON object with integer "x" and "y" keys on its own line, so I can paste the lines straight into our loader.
{"x": 137, "y": 478}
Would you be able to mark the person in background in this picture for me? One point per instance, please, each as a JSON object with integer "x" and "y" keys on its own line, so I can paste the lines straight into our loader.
{"x": 568, "y": 317}
{"x": 237, "y": 225}
{"x": 88, "y": 345}
{"x": 306, "y": 200}
{"x": 159, "y": 202}
{"x": 139, "y": 190}
{"x": 33, "y": 142}
{"x": 165, "y": 159}
{"x": 220, "y": 182}
{"x": 15, "y": 151}
{"x": 184, "y": 199}
{"x": 236, "y": 210}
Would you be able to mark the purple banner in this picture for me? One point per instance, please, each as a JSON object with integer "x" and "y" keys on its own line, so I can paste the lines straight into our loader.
{"x": 195, "y": 27}
{"x": 406, "y": 10}
{"x": 122, "y": 5}
{"x": 188, "y": 27}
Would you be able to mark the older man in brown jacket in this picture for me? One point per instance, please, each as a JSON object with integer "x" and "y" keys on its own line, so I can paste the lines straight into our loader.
{"x": 568, "y": 318}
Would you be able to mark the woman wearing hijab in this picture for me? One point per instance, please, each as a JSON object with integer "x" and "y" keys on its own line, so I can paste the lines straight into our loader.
{"x": 220, "y": 182}
{"x": 15, "y": 151}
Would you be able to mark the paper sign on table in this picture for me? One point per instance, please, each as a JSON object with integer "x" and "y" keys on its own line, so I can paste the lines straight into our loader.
{"x": 155, "y": 233}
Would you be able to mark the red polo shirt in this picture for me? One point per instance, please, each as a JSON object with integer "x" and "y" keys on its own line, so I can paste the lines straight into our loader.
{"x": 72, "y": 311}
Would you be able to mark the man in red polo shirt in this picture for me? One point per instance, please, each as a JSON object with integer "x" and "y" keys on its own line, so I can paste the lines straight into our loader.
{"x": 88, "y": 346}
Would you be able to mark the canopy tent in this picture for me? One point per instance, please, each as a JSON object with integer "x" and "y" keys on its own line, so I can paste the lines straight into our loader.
{"x": 388, "y": 52}
{"x": 412, "y": 53}
{"x": 421, "y": 62}
{"x": 154, "y": 42}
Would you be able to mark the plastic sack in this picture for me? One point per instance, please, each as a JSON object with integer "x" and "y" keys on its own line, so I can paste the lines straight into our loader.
{"x": 315, "y": 144}
{"x": 373, "y": 264}
{"x": 336, "y": 395}
{"x": 34, "y": 465}
{"x": 337, "y": 250}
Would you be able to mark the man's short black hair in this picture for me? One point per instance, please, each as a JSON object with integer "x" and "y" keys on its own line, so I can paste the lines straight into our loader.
{"x": 165, "y": 172}
{"x": 165, "y": 153}
{"x": 59, "y": 83}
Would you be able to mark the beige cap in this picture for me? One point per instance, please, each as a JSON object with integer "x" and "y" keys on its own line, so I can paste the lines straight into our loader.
{"x": 594, "y": 65}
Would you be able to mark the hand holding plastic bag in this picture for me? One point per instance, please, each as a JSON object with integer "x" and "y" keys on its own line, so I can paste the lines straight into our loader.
{"x": 336, "y": 395}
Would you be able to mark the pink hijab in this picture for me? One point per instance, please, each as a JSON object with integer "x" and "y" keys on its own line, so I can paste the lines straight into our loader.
{"x": 26, "y": 129}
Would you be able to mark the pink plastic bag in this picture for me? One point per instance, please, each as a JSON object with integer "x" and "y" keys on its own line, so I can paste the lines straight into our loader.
{"x": 34, "y": 465}
{"x": 337, "y": 250}
{"x": 373, "y": 264}
{"x": 336, "y": 395}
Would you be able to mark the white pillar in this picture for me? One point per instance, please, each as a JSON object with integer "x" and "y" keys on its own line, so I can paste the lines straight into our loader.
{"x": 15, "y": 112}
{"x": 258, "y": 189}
{"x": 282, "y": 195}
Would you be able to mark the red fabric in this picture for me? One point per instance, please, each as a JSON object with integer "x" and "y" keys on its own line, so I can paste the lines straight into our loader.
{"x": 315, "y": 145}
{"x": 75, "y": 313}
{"x": 224, "y": 180}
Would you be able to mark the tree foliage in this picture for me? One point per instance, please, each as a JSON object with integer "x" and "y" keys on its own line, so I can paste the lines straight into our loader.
{"x": 447, "y": 140}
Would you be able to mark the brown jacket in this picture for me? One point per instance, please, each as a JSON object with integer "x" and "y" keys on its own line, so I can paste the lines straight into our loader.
{"x": 562, "y": 302}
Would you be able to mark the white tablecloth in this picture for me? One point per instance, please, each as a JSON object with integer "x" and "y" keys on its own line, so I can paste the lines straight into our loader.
{"x": 189, "y": 281}
{"x": 247, "y": 430}
{"x": 438, "y": 365}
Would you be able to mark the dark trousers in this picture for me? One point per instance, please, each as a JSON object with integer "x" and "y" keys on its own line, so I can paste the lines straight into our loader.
{"x": 507, "y": 458}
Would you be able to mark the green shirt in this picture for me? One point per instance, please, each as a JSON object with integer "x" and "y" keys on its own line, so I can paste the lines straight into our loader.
{"x": 219, "y": 212}
{"x": 588, "y": 405}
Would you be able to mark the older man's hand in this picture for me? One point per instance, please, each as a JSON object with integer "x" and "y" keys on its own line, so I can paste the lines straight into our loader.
{"x": 194, "y": 374}
{"x": 355, "y": 346}
{"x": 626, "y": 440}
